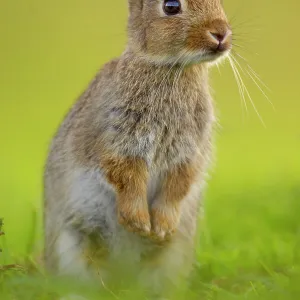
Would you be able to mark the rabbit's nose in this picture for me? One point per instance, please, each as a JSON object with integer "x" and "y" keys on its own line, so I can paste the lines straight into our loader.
{"x": 220, "y": 37}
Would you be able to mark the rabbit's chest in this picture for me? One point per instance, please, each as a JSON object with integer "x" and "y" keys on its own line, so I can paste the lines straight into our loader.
{"x": 176, "y": 140}
{"x": 163, "y": 137}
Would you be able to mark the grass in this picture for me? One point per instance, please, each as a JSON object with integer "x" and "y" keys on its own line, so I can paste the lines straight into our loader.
{"x": 249, "y": 249}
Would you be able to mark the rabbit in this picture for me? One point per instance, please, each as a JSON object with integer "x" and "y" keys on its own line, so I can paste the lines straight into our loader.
{"x": 127, "y": 167}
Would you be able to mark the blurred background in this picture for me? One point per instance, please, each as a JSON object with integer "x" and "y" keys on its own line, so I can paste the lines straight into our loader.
{"x": 50, "y": 50}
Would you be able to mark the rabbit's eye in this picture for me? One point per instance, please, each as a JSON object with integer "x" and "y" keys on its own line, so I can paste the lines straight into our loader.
{"x": 172, "y": 7}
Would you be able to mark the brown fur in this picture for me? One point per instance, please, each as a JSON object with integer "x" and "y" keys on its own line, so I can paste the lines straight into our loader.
{"x": 178, "y": 182}
{"x": 129, "y": 176}
{"x": 166, "y": 211}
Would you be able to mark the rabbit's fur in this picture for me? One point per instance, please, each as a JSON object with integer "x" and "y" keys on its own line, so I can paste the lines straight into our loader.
{"x": 127, "y": 166}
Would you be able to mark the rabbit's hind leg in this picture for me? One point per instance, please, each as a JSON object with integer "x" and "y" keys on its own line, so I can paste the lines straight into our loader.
{"x": 70, "y": 255}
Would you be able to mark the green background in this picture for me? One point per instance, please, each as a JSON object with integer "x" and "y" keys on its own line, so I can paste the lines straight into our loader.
{"x": 50, "y": 50}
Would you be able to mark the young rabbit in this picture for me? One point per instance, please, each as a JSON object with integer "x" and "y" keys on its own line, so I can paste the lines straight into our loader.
{"x": 126, "y": 168}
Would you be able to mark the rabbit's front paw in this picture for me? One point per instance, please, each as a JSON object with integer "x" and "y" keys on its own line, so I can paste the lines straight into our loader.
{"x": 165, "y": 219}
{"x": 135, "y": 219}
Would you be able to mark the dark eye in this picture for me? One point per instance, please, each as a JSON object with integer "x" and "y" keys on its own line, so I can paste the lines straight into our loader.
{"x": 172, "y": 7}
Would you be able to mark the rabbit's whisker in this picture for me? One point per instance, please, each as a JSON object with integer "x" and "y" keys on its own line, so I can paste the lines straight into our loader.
{"x": 237, "y": 65}
{"x": 254, "y": 77}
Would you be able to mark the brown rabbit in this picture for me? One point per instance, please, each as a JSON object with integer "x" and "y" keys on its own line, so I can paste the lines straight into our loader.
{"x": 126, "y": 168}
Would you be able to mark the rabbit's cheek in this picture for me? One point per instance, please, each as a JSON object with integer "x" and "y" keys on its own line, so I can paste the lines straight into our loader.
{"x": 172, "y": 37}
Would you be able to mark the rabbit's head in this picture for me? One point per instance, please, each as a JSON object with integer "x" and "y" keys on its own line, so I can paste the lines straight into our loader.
{"x": 183, "y": 31}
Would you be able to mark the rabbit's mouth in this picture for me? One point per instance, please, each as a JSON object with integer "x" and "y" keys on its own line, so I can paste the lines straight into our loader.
{"x": 212, "y": 56}
{"x": 219, "y": 53}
